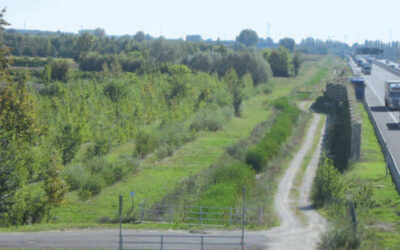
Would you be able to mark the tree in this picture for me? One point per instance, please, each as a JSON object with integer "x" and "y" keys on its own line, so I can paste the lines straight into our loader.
{"x": 59, "y": 70}
{"x": 280, "y": 61}
{"x": 327, "y": 185}
{"x": 287, "y": 43}
{"x": 193, "y": 38}
{"x": 235, "y": 86}
{"x": 296, "y": 63}
{"x": 83, "y": 46}
{"x": 53, "y": 185}
{"x": 68, "y": 140}
{"x": 140, "y": 36}
{"x": 5, "y": 52}
{"x": 247, "y": 37}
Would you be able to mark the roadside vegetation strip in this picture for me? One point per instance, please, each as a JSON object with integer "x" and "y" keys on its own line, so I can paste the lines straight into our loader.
{"x": 375, "y": 196}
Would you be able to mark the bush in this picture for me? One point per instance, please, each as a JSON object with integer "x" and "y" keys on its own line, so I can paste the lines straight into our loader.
{"x": 29, "y": 206}
{"x": 327, "y": 185}
{"x": 270, "y": 145}
{"x": 99, "y": 147}
{"x": 212, "y": 120}
{"x": 165, "y": 150}
{"x": 91, "y": 186}
{"x": 238, "y": 150}
{"x": 146, "y": 142}
{"x": 73, "y": 175}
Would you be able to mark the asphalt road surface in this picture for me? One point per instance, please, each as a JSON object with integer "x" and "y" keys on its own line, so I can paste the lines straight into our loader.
{"x": 387, "y": 121}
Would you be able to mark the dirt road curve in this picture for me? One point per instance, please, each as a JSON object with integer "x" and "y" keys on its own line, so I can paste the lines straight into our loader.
{"x": 293, "y": 233}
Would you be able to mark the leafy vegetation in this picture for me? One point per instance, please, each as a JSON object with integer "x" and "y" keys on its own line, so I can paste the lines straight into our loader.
{"x": 375, "y": 199}
{"x": 270, "y": 145}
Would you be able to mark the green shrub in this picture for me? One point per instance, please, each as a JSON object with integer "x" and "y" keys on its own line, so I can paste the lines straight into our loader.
{"x": 327, "y": 185}
{"x": 99, "y": 147}
{"x": 29, "y": 206}
{"x": 272, "y": 142}
{"x": 96, "y": 165}
{"x": 165, "y": 150}
{"x": 238, "y": 150}
{"x": 256, "y": 158}
{"x": 91, "y": 186}
{"x": 73, "y": 175}
{"x": 212, "y": 120}
{"x": 146, "y": 142}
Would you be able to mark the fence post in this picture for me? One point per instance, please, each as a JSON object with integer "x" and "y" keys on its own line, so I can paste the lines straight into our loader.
{"x": 170, "y": 214}
{"x": 120, "y": 222}
{"x": 202, "y": 242}
{"x": 387, "y": 160}
{"x": 353, "y": 216}
{"x": 141, "y": 211}
{"x": 162, "y": 242}
{"x": 201, "y": 215}
{"x": 260, "y": 218}
{"x": 230, "y": 216}
{"x": 243, "y": 211}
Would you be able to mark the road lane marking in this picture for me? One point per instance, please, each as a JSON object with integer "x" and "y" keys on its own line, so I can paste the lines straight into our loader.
{"x": 383, "y": 104}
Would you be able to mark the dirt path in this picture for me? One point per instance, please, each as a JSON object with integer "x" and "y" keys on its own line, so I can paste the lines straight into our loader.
{"x": 292, "y": 233}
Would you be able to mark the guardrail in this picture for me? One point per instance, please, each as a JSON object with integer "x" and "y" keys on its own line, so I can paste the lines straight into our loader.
{"x": 389, "y": 159}
{"x": 388, "y": 68}
{"x": 390, "y": 162}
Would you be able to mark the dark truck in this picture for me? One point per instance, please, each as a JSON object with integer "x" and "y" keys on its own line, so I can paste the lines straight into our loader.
{"x": 359, "y": 87}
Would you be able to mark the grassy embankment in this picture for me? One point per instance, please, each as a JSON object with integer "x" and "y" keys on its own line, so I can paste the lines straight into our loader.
{"x": 383, "y": 218}
{"x": 157, "y": 178}
{"x": 378, "y": 211}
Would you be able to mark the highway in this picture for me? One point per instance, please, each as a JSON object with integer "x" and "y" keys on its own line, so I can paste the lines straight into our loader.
{"x": 387, "y": 121}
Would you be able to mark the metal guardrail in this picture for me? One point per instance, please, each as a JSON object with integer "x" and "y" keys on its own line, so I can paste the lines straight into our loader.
{"x": 390, "y": 162}
{"x": 389, "y": 159}
{"x": 388, "y": 68}
{"x": 161, "y": 240}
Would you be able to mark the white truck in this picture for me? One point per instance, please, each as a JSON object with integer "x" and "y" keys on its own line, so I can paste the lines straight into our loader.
{"x": 392, "y": 94}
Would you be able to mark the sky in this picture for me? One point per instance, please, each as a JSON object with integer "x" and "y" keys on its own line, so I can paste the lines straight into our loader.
{"x": 344, "y": 20}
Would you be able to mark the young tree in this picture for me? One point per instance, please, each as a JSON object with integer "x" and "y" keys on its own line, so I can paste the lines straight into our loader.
{"x": 53, "y": 185}
{"x": 235, "y": 86}
{"x": 296, "y": 63}
{"x": 68, "y": 140}
{"x": 327, "y": 185}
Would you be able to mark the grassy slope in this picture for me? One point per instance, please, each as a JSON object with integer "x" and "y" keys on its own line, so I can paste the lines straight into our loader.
{"x": 157, "y": 178}
{"x": 163, "y": 176}
{"x": 372, "y": 168}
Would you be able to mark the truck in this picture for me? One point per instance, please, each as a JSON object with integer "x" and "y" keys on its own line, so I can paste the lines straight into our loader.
{"x": 366, "y": 68}
{"x": 359, "y": 87}
{"x": 392, "y": 94}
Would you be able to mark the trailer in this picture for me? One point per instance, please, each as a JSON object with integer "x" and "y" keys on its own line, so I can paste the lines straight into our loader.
{"x": 359, "y": 87}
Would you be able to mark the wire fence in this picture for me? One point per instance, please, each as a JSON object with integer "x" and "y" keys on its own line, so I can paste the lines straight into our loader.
{"x": 199, "y": 215}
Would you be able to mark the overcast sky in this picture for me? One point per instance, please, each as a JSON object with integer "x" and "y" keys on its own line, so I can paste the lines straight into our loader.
{"x": 344, "y": 20}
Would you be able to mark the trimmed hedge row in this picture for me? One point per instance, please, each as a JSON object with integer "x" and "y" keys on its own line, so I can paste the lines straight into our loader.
{"x": 259, "y": 155}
